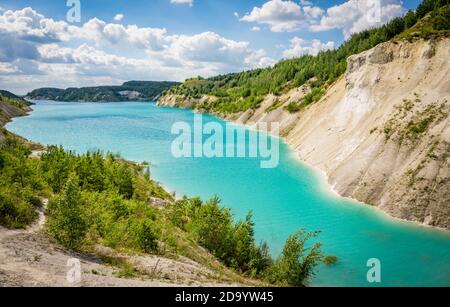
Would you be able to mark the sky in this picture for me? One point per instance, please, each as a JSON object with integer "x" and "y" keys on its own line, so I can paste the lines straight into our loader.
{"x": 74, "y": 43}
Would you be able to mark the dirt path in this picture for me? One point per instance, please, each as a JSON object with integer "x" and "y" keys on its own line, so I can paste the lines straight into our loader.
{"x": 29, "y": 258}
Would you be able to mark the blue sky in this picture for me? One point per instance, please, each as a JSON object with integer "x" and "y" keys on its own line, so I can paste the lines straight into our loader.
{"x": 163, "y": 40}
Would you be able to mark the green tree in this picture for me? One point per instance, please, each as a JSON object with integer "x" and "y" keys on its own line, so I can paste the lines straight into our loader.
{"x": 244, "y": 243}
{"x": 261, "y": 259}
{"x": 212, "y": 227}
{"x": 295, "y": 266}
{"x": 56, "y": 165}
{"x": 441, "y": 18}
{"x": 146, "y": 237}
{"x": 429, "y": 5}
{"x": 66, "y": 222}
{"x": 410, "y": 19}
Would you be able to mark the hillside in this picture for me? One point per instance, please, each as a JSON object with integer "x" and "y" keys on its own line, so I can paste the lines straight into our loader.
{"x": 11, "y": 106}
{"x": 132, "y": 90}
{"x": 237, "y": 92}
{"x": 380, "y": 131}
{"x": 121, "y": 224}
{"x": 119, "y": 232}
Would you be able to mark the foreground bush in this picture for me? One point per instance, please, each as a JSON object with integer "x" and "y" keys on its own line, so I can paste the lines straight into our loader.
{"x": 295, "y": 266}
{"x": 20, "y": 185}
{"x": 14, "y": 211}
{"x": 65, "y": 222}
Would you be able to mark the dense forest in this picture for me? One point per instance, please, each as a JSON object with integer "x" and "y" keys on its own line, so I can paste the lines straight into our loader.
{"x": 132, "y": 90}
{"x": 102, "y": 199}
{"x": 241, "y": 91}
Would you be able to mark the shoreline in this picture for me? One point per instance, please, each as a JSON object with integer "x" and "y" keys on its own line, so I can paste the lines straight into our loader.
{"x": 383, "y": 214}
{"x": 325, "y": 177}
{"x": 326, "y": 186}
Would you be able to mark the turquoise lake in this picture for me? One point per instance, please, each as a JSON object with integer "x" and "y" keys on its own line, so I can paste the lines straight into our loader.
{"x": 282, "y": 199}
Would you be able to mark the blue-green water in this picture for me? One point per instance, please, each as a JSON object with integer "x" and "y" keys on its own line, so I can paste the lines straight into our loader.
{"x": 283, "y": 199}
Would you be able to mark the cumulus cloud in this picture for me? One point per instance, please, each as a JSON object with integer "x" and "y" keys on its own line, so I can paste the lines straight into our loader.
{"x": 299, "y": 47}
{"x": 190, "y": 2}
{"x": 284, "y": 16}
{"x": 119, "y": 17}
{"x": 28, "y": 25}
{"x": 355, "y": 15}
{"x": 97, "y": 50}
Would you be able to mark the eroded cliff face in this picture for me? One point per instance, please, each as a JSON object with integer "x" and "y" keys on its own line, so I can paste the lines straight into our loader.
{"x": 381, "y": 133}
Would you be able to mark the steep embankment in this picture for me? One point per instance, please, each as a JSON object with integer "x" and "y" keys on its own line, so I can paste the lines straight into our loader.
{"x": 381, "y": 133}
{"x": 11, "y": 106}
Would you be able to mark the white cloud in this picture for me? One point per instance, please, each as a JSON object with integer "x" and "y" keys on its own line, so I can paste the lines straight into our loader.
{"x": 190, "y": 2}
{"x": 313, "y": 12}
{"x": 355, "y": 15}
{"x": 258, "y": 59}
{"x": 210, "y": 48}
{"x": 299, "y": 47}
{"x": 283, "y": 16}
{"x": 7, "y": 68}
{"x": 28, "y": 25}
{"x": 119, "y": 17}
{"x": 45, "y": 52}
{"x": 256, "y": 29}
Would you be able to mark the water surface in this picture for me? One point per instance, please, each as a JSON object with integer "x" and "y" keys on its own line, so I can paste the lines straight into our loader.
{"x": 283, "y": 199}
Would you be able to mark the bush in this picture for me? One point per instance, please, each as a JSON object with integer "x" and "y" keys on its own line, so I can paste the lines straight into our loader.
{"x": 19, "y": 184}
{"x": 293, "y": 107}
{"x": 441, "y": 19}
{"x": 212, "y": 228}
{"x": 66, "y": 223}
{"x": 314, "y": 96}
{"x": 295, "y": 266}
{"x": 14, "y": 211}
{"x": 146, "y": 237}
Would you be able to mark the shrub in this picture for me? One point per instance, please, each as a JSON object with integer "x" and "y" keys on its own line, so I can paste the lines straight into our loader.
{"x": 146, "y": 237}
{"x": 66, "y": 223}
{"x": 212, "y": 228}
{"x": 295, "y": 266}
{"x": 293, "y": 107}
{"x": 14, "y": 211}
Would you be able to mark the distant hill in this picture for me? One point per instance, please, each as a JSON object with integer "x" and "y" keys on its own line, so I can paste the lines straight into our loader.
{"x": 132, "y": 90}
{"x": 7, "y": 94}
